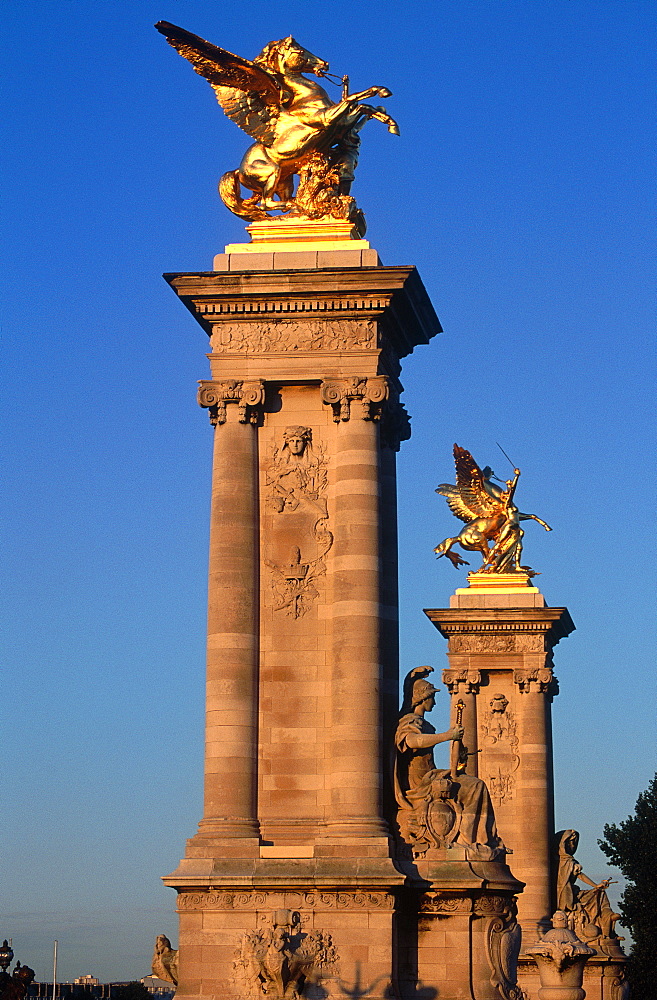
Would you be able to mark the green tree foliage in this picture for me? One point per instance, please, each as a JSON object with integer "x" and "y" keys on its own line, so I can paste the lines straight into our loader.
{"x": 131, "y": 991}
{"x": 632, "y": 847}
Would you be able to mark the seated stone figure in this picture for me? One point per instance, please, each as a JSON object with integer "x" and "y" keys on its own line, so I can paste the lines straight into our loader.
{"x": 436, "y": 807}
{"x": 589, "y": 911}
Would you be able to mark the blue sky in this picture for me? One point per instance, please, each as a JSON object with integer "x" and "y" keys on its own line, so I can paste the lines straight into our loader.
{"x": 521, "y": 186}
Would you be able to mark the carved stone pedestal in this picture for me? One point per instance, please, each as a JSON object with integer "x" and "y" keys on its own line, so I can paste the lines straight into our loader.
{"x": 501, "y": 636}
{"x": 456, "y": 930}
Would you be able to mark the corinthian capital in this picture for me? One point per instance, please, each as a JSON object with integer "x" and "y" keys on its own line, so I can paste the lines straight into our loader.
{"x": 368, "y": 394}
{"x": 462, "y": 681}
{"x": 249, "y": 396}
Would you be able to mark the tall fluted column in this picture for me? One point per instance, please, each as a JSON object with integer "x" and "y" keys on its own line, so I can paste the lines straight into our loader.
{"x": 535, "y": 796}
{"x": 231, "y": 753}
{"x": 355, "y": 766}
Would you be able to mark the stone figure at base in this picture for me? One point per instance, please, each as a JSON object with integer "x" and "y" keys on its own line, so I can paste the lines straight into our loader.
{"x": 589, "y": 911}
{"x": 165, "y": 960}
{"x": 436, "y": 807}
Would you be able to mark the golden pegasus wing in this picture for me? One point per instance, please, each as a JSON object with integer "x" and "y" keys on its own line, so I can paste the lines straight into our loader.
{"x": 248, "y": 94}
{"x": 470, "y": 485}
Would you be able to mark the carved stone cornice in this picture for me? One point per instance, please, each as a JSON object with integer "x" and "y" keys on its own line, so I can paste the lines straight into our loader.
{"x": 548, "y": 626}
{"x": 393, "y": 295}
{"x": 368, "y": 395}
{"x": 462, "y": 681}
{"x": 538, "y": 679}
{"x": 249, "y": 396}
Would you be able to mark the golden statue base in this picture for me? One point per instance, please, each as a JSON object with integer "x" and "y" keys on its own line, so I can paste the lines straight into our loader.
{"x": 298, "y": 244}
{"x": 298, "y": 234}
{"x": 495, "y": 583}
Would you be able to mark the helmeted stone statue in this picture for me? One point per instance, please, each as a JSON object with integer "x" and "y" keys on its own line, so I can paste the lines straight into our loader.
{"x": 438, "y": 808}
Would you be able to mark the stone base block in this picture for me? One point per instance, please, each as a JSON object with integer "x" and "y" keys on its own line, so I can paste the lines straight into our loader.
{"x": 263, "y": 942}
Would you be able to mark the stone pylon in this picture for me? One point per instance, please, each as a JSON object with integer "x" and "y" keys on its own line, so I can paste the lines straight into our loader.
{"x": 292, "y": 862}
{"x": 500, "y": 639}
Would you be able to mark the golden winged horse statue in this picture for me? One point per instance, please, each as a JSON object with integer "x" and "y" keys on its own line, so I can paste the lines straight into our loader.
{"x": 297, "y": 128}
{"x": 492, "y": 520}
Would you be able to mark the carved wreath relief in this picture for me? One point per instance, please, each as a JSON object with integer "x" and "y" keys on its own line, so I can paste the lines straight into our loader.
{"x": 298, "y": 537}
{"x": 500, "y": 734}
{"x": 279, "y": 959}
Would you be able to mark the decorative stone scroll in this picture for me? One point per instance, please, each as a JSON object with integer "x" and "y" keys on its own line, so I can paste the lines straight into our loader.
{"x": 249, "y": 396}
{"x": 368, "y": 395}
{"x": 535, "y": 679}
{"x": 462, "y": 681}
{"x": 503, "y": 940}
{"x": 279, "y": 958}
{"x": 283, "y": 336}
{"x": 297, "y": 512}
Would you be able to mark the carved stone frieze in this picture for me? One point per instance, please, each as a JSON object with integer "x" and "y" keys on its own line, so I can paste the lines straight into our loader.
{"x": 288, "y": 336}
{"x": 249, "y": 397}
{"x": 534, "y": 679}
{"x": 295, "y": 499}
{"x": 462, "y": 681}
{"x": 349, "y": 900}
{"x": 279, "y": 958}
{"x": 441, "y": 902}
{"x": 368, "y": 395}
{"x": 217, "y": 899}
{"x": 511, "y": 642}
{"x": 259, "y": 900}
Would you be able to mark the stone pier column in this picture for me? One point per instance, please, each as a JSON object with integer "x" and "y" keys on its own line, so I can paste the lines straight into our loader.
{"x": 463, "y": 685}
{"x": 231, "y": 747}
{"x": 535, "y": 797}
{"x": 355, "y": 770}
{"x": 501, "y": 636}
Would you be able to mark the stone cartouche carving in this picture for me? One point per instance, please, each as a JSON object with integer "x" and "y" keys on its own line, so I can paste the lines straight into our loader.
{"x": 368, "y": 395}
{"x": 293, "y": 584}
{"x": 249, "y": 397}
{"x": 277, "y": 960}
{"x": 295, "y": 487}
{"x": 500, "y": 734}
{"x": 165, "y": 960}
{"x": 561, "y": 957}
{"x": 284, "y": 336}
{"x": 589, "y": 911}
{"x": 437, "y": 808}
{"x": 490, "y": 516}
{"x": 298, "y": 129}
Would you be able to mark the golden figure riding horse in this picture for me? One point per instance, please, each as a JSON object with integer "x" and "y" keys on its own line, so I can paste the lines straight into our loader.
{"x": 297, "y": 128}
{"x": 490, "y": 514}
